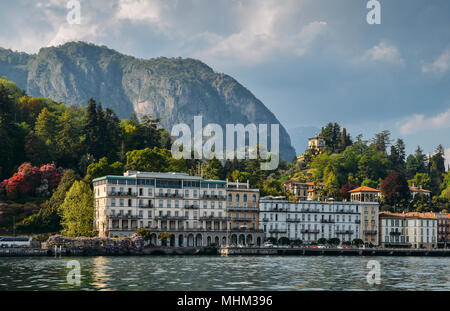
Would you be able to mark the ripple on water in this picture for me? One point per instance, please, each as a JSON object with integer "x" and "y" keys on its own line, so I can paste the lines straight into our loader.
{"x": 226, "y": 273}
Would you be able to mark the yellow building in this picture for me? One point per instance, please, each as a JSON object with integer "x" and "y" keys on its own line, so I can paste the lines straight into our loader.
{"x": 316, "y": 143}
{"x": 242, "y": 206}
{"x": 368, "y": 197}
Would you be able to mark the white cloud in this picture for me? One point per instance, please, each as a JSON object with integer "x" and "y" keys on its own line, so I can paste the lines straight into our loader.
{"x": 264, "y": 29}
{"x": 440, "y": 66}
{"x": 384, "y": 52}
{"x": 67, "y": 33}
{"x": 419, "y": 122}
{"x": 152, "y": 12}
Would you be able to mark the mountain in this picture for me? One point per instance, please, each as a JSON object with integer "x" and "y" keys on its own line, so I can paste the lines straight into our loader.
{"x": 174, "y": 89}
{"x": 300, "y": 137}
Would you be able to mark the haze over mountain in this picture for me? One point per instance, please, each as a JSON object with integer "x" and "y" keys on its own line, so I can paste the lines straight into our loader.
{"x": 174, "y": 89}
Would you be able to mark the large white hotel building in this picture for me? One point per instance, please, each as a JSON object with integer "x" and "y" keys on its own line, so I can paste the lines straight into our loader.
{"x": 192, "y": 210}
{"x": 311, "y": 220}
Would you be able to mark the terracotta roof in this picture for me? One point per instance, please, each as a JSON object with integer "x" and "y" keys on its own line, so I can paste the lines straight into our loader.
{"x": 311, "y": 183}
{"x": 428, "y": 215}
{"x": 364, "y": 189}
{"x": 416, "y": 189}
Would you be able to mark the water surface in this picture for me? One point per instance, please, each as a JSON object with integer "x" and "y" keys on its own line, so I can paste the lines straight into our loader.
{"x": 225, "y": 273}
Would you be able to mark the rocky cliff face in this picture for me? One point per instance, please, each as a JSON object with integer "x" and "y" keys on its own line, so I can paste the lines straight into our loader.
{"x": 174, "y": 90}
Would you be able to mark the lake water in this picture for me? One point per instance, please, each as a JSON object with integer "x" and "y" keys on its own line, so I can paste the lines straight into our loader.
{"x": 225, "y": 273}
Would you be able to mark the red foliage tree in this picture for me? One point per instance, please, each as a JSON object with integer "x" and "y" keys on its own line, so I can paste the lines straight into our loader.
{"x": 344, "y": 192}
{"x": 28, "y": 178}
{"x": 395, "y": 190}
{"x": 31, "y": 178}
{"x": 52, "y": 174}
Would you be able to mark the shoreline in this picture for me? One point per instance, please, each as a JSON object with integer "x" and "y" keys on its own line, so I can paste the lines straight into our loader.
{"x": 231, "y": 251}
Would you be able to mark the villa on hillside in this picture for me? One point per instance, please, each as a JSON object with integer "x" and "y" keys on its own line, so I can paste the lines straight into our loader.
{"x": 416, "y": 190}
{"x": 305, "y": 190}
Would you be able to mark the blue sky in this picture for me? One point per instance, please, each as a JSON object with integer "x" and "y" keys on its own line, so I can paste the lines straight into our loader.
{"x": 309, "y": 61}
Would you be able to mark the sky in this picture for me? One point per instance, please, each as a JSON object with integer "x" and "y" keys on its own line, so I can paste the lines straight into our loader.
{"x": 309, "y": 61}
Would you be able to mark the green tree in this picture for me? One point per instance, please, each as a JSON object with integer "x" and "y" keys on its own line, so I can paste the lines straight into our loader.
{"x": 164, "y": 236}
{"x": 357, "y": 242}
{"x": 332, "y": 136}
{"x": 322, "y": 241}
{"x": 416, "y": 163}
{"x": 437, "y": 169}
{"x": 78, "y": 211}
{"x": 35, "y": 150}
{"x": 272, "y": 187}
{"x": 67, "y": 140}
{"x": 149, "y": 160}
{"x": 46, "y": 126}
{"x": 48, "y": 219}
{"x": 103, "y": 168}
{"x": 369, "y": 183}
{"x": 381, "y": 141}
{"x": 397, "y": 156}
{"x": 284, "y": 240}
{"x": 212, "y": 169}
{"x": 331, "y": 182}
{"x": 334, "y": 241}
{"x": 420, "y": 180}
{"x": 144, "y": 233}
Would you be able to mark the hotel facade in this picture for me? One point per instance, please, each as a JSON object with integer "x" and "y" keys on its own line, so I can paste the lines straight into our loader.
{"x": 408, "y": 230}
{"x": 309, "y": 221}
{"x": 192, "y": 210}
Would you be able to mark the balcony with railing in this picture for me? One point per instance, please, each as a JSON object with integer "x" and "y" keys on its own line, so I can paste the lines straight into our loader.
{"x": 125, "y": 216}
{"x": 122, "y": 194}
{"x": 395, "y": 233}
{"x": 191, "y": 206}
{"x": 243, "y": 209}
{"x": 370, "y": 232}
{"x": 327, "y": 221}
{"x": 310, "y": 230}
{"x": 242, "y": 219}
{"x": 276, "y": 209}
{"x": 344, "y": 232}
{"x": 277, "y": 230}
{"x": 213, "y": 218}
{"x": 212, "y": 197}
{"x": 169, "y": 195}
{"x": 143, "y": 205}
{"x": 165, "y": 217}
{"x": 292, "y": 219}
